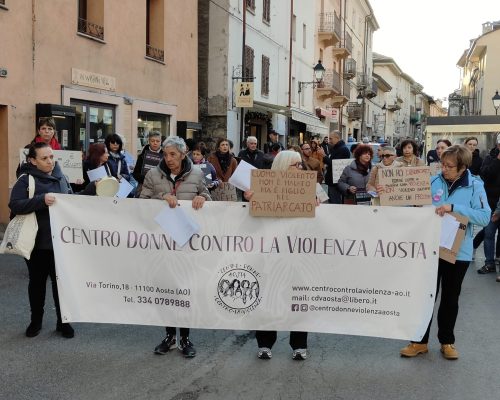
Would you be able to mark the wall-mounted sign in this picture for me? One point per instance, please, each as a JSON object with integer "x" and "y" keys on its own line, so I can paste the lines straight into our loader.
{"x": 93, "y": 80}
{"x": 244, "y": 94}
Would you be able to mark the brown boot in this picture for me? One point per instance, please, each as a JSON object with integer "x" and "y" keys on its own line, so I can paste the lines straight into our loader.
{"x": 449, "y": 351}
{"x": 414, "y": 349}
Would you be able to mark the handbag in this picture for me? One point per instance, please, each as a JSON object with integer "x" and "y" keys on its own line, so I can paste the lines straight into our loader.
{"x": 20, "y": 235}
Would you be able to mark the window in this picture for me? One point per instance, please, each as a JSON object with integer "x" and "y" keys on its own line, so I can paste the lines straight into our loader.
{"x": 155, "y": 30}
{"x": 304, "y": 36}
{"x": 94, "y": 122}
{"x": 91, "y": 18}
{"x": 147, "y": 122}
{"x": 248, "y": 70}
{"x": 266, "y": 11}
{"x": 250, "y": 5}
{"x": 264, "y": 88}
{"x": 294, "y": 23}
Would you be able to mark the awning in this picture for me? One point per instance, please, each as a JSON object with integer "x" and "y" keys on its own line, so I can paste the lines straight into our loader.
{"x": 463, "y": 124}
{"x": 313, "y": 123}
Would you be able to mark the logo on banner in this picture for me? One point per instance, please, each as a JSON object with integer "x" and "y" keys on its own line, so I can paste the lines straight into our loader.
{"x": 238, "y": 288}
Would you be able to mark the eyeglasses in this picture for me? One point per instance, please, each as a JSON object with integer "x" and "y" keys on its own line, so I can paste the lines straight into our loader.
{"x": 297, "y": 165}
{"x": 446, "y": 166}
{"x": 386, "y": 155}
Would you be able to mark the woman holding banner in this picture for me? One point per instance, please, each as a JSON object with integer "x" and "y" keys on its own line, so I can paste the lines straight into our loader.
{"x": 456, "y": 190}
{"x": 48, "y": 179}
{"x": 175, "y": 179}
{"x": 285, "y": 160}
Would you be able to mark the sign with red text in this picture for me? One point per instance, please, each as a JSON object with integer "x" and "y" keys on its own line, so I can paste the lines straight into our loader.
{"x": 115, "y": 264}
{"x": 405, "y": 186}
{"x": 290, "y": 193}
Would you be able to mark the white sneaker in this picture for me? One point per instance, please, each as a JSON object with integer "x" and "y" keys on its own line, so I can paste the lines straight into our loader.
{"x": 300, "y": 354}
{"x": 264, "y": 353}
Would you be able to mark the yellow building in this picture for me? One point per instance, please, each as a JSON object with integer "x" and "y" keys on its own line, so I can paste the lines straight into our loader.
{"x": 98, "y": 67}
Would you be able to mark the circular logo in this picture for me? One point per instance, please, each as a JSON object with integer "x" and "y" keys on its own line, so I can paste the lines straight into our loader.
{"x": 238, "y": 289}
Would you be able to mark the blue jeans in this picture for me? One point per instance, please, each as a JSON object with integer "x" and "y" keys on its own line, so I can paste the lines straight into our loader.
{"x": 489, "y": 241}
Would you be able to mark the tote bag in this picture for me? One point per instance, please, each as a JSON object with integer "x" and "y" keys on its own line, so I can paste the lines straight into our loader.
{"x": 20, "y": 235}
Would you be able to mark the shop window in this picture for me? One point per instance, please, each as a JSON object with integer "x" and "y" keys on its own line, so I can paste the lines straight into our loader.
{"x": 155, "y": 33}
{"x": 91, "y": 18}
{"x": 266, "y": 11}
{"x": 265, "y": 76}
{"x": 248, "y": 72}
{"x": 147, "y": 122}
{"x": 94, "y": 122}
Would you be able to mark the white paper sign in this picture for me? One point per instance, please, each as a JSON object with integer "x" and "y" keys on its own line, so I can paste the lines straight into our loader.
{"x": 98, "y": 173}
{"x": 449, "y": 229}
{"x": 239, "y": 272}
{"x": 338, "y": 167}
{"x": 241, "y": 176}
{"x": 179, "y": 225}
{"x": 321, "y": 194}
{"x": 124, "y": 189}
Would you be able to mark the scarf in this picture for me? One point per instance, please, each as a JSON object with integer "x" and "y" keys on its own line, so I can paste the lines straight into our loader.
{"x": 363, "y": 169}
{"x": 224, "y": 160}
{"x": 54, "y": 144}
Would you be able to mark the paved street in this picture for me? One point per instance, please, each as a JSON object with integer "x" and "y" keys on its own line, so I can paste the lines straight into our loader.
{"x": 116, "y": 362}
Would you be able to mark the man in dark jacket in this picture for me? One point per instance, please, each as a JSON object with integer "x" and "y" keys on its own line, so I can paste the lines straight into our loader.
{"x": 338, "y": 150}
{"x": 273, "y": 138}
{"x": 251, "y": 154}
{"x": 490, "y": 173}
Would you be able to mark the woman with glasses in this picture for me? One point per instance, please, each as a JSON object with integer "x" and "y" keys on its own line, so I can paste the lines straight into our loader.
{"x": 116, "y": 161}
{"x": 387, "y": 156}
{"x": 285, "y": 160}
{"x": 456, "y": 190}
{"x": 352, "y": 182}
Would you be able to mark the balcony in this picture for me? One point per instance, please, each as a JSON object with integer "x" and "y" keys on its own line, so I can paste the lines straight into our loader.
{"x": 344, "y": 48}
{"x": 154, "y": 53}
{"x": 371, "y": 90}
{"x": 350, "y": 68}
{"x": 331, "y": 81}
{"x": 354, "y": 111}
{"x": 363, "y": 81}
{"x": 329, "y": 29}
{"x": 90, "y": 29}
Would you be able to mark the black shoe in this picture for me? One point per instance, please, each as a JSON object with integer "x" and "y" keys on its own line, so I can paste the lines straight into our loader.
{"x": 65, "y": 329}
{"x": 186, "y": 347}
{"x": 33, "y": 329}
{"x": 486, "y": 269}
{"x": 165, "y": 345}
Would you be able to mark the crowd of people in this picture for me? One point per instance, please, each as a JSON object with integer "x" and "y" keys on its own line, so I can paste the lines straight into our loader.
{"x": 462, "y": 183}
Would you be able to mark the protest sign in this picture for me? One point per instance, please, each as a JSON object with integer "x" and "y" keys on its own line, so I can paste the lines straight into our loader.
{"x": 69, "y": 161}
{"x": 290, "y": 193}
{"x": 405, "y": 186}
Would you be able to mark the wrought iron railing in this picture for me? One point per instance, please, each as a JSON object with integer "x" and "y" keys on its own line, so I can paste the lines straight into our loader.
{"x": 354, "y": 110}
{"x": 154, "y": 53}
{"x": 91, "y": 29}
{"x": 331, "y": 80}
{"x": 2, "y": 2}
{"x": 329, "y": 23}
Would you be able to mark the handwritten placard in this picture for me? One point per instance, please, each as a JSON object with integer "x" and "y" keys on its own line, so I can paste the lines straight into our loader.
{"x": 406, "y": 186}
{"x": 69, "y": 161}
{"x": 338, "y": 167}
{"x": 283, "y": 193}
{"x": 450, "y": 255}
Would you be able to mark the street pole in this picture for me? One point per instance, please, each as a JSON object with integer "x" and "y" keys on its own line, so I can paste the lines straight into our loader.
{"x": 244, "y": 33}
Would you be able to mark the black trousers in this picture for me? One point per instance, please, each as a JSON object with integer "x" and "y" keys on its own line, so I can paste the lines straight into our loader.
{"x": 298, "y": 340}
{"x": 171, "y": 330}
{"x": 41, "y": 265}
{"x": 450, "y": 278}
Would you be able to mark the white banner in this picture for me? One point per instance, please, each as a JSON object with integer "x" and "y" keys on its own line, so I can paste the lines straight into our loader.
{"x": 351, "y": 270}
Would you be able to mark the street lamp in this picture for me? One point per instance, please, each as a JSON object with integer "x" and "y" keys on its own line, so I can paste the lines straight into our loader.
{"x": 496, "y": 102}
{"x": 319, "y": 72}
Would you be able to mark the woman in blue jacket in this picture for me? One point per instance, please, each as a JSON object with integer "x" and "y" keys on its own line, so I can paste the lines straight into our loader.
{"x": 454, "y": 189}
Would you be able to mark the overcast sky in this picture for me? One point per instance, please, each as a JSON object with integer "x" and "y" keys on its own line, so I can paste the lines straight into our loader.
{"x": 427, "y": 37}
